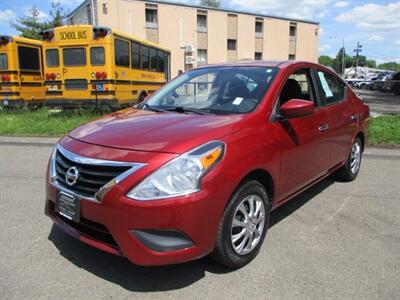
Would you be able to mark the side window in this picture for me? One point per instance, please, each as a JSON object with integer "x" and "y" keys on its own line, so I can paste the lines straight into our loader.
{"x": 153, "y": 59}
{"x": 332, "y": 89}
{"x": 135, "y": 47}
{"x": 145, "y": 57}
{"x": 298, "y": 86}
{"x": 121, "y": 53}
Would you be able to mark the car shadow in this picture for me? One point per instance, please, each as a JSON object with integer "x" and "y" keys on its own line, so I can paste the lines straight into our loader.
{"x": 145, "y": 279}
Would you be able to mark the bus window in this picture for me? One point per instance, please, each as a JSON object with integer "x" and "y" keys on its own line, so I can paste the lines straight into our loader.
{"x": 135, "y": 55}
{"x": 153, "y": 60}
{"x": 74, "y": 57}
{"x": 161, "y": 61}
{"x": 52, "y": 58}
{"x": 145, "y": 58}
{"x": 97, "y": 56}
{"x": 121, "y": 49}
{"x": 3, "y": 61}
{"x": 28, "y": 59}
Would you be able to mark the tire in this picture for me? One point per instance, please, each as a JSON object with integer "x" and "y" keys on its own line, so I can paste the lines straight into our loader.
{"x": 229, "y": 252}
{"x": 351, "y": 168}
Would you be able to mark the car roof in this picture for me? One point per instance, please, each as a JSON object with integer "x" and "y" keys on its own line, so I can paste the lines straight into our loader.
{"x": 260, "y": 63}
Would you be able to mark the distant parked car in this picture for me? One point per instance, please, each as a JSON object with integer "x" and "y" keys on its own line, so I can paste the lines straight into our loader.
{"x": 395, "y": 88}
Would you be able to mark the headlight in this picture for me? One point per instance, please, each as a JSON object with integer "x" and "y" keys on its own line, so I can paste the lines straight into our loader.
{"x": 181, "y": 176}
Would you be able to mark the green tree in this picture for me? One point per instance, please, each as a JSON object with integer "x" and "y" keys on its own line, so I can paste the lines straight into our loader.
{"x": 30, "y": 25}
{"x": 58, "y": 16}
{"x": 371, "y": 63}
{"x": 393, "y": 66}
{"x": 326, "y": 60}
{"x": 211, "y": 3}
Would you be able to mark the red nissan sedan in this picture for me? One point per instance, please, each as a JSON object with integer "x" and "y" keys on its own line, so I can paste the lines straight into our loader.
{"x": 197, "y": 168}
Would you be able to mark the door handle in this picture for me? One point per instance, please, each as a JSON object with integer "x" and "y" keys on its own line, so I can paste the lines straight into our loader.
{"x": 323, "y": 127}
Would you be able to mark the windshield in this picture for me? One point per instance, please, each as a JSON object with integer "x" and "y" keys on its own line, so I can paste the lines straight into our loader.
{"x": 217, "y": 90}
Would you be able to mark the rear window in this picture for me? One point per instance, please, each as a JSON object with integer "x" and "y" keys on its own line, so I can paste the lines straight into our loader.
{"x": 121, "y": 53}
{"x": 74, "y": 57}
{"x": 52, "y": 58}
{"x": 97, "y": 56}
{"x": 3, "y": 61}
{"x": 28, "y": 58}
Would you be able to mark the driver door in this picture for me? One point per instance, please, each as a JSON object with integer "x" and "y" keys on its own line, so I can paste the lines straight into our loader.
{"x": 305, "y": 151}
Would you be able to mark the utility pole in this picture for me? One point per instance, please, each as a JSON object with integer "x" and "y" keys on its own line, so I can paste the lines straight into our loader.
{"x": 357, "y": 50}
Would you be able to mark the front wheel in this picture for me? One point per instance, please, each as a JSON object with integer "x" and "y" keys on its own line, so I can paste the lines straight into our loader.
{"x": 351, "y": 168}
{"x": 243, "y": 226}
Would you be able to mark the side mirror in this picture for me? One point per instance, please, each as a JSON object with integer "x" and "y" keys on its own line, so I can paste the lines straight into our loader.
{"x": 297, "y": 108}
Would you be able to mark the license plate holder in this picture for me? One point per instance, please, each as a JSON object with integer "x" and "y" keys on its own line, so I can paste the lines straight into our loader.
{"x": 68, "y": 206}
{"x": 5, "y": 102}
{"x": 53, "y": 88}
{"x": 100, "y": 87}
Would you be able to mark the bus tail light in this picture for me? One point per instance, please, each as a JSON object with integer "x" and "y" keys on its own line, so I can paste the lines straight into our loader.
{"x": 98, "y": 75}
{"x": 5, "y": 77}
{"x": 103, "y": 75}
{"x": 47, "y": 35}
{"x": 51, "y": 76}
{"x": 100, "y": 32}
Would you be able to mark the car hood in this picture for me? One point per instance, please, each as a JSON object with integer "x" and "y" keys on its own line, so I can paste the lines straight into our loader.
{"x": 140, "y": 130}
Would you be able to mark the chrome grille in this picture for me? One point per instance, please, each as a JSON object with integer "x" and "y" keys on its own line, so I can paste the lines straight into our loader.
{"x": 94, "y": 175}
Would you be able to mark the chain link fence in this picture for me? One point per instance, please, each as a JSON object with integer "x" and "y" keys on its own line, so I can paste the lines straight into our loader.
{"x": 383, "y": 97}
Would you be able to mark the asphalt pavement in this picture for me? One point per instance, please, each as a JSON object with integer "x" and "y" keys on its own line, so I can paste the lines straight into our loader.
{"x": 335, "y": 241}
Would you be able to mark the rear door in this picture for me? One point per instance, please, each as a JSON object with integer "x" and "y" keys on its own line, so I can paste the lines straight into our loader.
{"x": 342, "y": 114}
{"x": 75, "y": 71}
{"x": 305, "y": 151}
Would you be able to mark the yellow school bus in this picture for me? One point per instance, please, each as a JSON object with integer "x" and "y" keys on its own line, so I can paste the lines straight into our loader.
{"x": 21, "y": 72}
{"x": 87, "y": 65}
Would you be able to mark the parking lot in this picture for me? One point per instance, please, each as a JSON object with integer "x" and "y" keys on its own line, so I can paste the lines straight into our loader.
{"x": 380, "y": 103}
{"x": 337, "y": 240}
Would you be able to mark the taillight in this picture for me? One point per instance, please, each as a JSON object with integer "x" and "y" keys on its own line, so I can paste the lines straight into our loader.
{"x": 53, "y": 76}
{"x": 5, "y": 77}
{"x": 104, "y": 75}
{"x": 48, "y": 76}
{"x": 98, "y": 75}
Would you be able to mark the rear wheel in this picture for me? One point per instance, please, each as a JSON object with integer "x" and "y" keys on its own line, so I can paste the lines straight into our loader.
{"x": 243, "y": 226}
{"x": 350, "y": 170}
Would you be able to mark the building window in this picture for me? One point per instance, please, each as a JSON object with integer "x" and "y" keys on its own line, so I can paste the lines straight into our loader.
{"x": 258, "y": 56}
{"x": 202, "y": 23}
{"x": 201, "y": 57}
{"x": 231, "y": 44}
{"x": 292, "y": 56}
{"x": 151, "y": 18}
{"x": 292, "y": 31}
{"x": 259, "y": 28}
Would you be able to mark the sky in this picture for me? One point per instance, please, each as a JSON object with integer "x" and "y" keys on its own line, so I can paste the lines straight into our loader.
{"x": 374, "y": 23}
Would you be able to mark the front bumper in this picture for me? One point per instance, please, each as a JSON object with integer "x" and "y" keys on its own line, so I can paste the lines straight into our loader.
{"x": 113, "y": 225}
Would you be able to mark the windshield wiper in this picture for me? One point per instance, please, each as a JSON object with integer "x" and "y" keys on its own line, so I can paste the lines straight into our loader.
{"x": 180, "y": 109}
{"x": 145, "y": 106}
